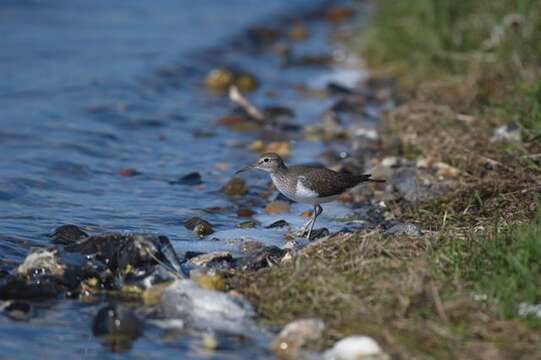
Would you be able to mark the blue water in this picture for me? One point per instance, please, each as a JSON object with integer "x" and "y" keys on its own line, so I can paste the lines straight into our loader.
{"x": 89, "y": 88}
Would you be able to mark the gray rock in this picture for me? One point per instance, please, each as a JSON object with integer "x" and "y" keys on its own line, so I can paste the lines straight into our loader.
{"x": 206, "y": 309}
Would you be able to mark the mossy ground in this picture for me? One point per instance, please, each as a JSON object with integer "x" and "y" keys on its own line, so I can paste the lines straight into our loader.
{"x": 464, "y": 67}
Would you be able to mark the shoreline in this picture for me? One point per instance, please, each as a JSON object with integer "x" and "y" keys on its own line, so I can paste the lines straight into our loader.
{"x": 438, "y": 288}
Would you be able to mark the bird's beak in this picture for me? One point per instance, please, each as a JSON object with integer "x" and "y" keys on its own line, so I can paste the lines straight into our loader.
{"x": 246, "y": 168}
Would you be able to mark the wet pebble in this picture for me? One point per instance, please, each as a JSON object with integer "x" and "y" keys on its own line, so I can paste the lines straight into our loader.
{"x": 248, "y": 224}
{"x": 243, "y": 212}
{"x": 319, "y": 233}
{"x": 129, "y": 172}
{"x": 277, "y": 224}
{"x": 67, "y": 234}
{"x": 42, "y": 261}
{"x": 203, "y": 229}
{"x": 235, "y": 187}
{"x": 277, "y": 207}
{"x": 268, "y": 256}
{"x": 118, "y": 326}
{"x": 19, "y": 310}
{"x": 355, "y": 348}
{"x": 295, "y": 335}
{"x": 251, "y": 246}
{"x": 193, "y": 178}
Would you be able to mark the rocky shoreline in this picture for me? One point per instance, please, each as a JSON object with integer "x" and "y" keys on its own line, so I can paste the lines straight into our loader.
{"x": 143, "y": 282}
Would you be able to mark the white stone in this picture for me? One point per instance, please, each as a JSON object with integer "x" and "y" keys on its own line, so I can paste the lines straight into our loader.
{"x": 355, "y": 348}
{"x": 42, "y": 259}
{"x": 206, "y": 309}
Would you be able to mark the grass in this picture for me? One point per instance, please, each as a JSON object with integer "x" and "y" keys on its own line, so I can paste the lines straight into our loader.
{"x": 465, "y": 67}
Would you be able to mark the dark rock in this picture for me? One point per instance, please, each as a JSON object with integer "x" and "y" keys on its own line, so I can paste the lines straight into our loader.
{"x": 199, "y": 227}
{"x": 191, "y": 223}
{"x": 319, "y": 233}
{"x": 247, "y": 224}
{"x": 117, "y": 326}
{"x": 18, "y": 288}
{"x": 202, "y": 229}
{"x": 277, "y": 224}
{"x": 260, "y": 35}
{"x": 193, "y": 178}
{"x": 19, "y": 310}
{"x": 251, "y": 246}
{"x": 265, "y": 257}
{"x": 67, "y": 234}
{"x": 116, "y": 251}
{"x": 338, "y": 89}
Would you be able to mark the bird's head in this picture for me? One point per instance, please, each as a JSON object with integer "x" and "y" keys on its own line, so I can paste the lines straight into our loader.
{"x": 268, "y": 162}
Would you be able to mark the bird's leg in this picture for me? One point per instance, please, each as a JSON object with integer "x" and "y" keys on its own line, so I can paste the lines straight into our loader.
{"x": 317, "y": 211}
{"x": 304, "y": 228}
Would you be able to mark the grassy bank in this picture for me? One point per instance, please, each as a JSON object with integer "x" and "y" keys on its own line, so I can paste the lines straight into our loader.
{"x": 464, "y": 69}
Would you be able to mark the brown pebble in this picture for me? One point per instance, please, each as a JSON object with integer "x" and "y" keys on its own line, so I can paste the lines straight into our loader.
{"x": 307, "y": 214}
{"x": 277, "y": 207}
{"x": 245, "y": 212}
{"x": 129, "y": 172}
{"x": 235, "y": 187}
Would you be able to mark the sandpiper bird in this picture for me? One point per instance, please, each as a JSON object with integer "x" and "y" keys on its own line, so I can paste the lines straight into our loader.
{"x": 307, "y": 184}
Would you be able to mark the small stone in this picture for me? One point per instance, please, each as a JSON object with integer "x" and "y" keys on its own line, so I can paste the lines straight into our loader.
{"x": 279, "y": 147}
{"x": 209, "y": 342}
{"x": 249, "y": 224}
{"x": 202, "y": 229}
{"x": 191, "y": 223}
{"x": 235, "y": 187}
{"x": 242, "y": 212}
{"x": 219, "y": 79}
{"x": 239, "y": 123}
{"x": 213, "y": 257}
{"x": 222, "y": 166}
{"x": 319, "y": 233}
{"x": 117, "y": 324}
{"x": 277, "y": 224}
{"x": 198, "y": 226}
{"x": 128, "y": 172}
{"x": 307, "y": 214}
{"x": 265, "y": 257}
{"x": 510, "y": 133}
{"x": 193, "y": 178}
{"x": 210, "y": 282}
{"x": 19, "y": 310}
{"x": 446, "y": 170}
{"x": 67, "y": 234}
{"x": 246, "y": 82}
{"x": 403, "y": 230}
{"x": 295, "y": 335}
{"x": 153, "y": 294}
{"x": 355, "y": 348}
{"x": 277, "y": 207}
{"x": 42, "y": 261}
{"x": 250, "y": 246}
{"x": 298, "y": 32}
{"x": 257, "y": 146}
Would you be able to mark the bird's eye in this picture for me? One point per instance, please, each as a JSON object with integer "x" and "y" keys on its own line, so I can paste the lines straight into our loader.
{"x": 266, "y": 159}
